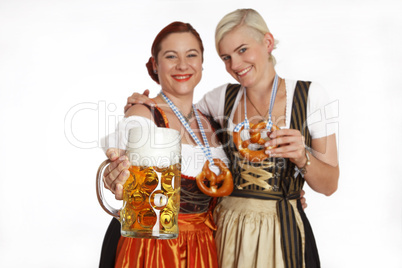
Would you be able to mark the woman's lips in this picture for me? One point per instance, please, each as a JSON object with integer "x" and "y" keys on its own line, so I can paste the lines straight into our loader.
{"x": 244, "y": 71}
{"x": 182, "y": 77}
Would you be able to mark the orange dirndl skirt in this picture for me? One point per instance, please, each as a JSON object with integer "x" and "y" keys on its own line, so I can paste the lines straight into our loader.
{"x": 194, "y": 248}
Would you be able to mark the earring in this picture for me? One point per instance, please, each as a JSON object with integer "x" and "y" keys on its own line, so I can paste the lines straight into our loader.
{"x": 155, "y": 72}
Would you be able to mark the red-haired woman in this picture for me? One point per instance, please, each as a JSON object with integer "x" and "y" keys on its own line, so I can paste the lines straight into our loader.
{"x": 176, "y": 64}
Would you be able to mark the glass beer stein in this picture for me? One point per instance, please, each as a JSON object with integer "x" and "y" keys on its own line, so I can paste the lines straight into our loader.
{"x": 151, "y": 195}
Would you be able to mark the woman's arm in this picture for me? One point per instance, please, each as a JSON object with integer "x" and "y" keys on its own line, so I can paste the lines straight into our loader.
{"x": 323, "y": 172}
{"x": 211, "y": 104}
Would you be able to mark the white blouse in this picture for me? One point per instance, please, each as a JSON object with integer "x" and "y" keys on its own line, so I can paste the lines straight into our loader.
{"x": 321, "y": 110}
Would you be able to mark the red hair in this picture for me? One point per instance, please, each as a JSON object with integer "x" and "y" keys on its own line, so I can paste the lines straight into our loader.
{"x": 174, "y": 27}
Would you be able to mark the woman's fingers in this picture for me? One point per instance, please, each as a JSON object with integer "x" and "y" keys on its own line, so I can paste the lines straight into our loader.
{"x": 116, "y": 173}
{"x": 114, "y": 153}
{"x": 119, "y": 175}
{"x": 119, "y": 192}
{"x": 302, "y": 193}
{"x": 302, "y": 199}
{"x": 118, "y": 184}
{"x": 116, "y": 156}
{"x": 138, "y": 98}
{"x": 303, "y": 202}
{"x": 284, "y": 132}
{"x": 289, "y": 143}
{"x": 285, "y": 136}
{"x": 296, "y": 150}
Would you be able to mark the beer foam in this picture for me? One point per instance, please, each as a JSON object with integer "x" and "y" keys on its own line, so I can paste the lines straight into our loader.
{"x": 153, "y": 146}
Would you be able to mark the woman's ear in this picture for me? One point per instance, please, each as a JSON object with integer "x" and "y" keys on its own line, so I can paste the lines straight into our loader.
{"x": 269, "y": 41}
{"x": 154, "y": 65}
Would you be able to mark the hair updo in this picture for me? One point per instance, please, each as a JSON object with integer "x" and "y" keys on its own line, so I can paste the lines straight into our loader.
{"x": 174, "y": 27}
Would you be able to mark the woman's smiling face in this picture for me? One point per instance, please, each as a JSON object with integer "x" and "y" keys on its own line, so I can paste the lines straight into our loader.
{"x": 246, "y": 57}
{"x": 179, "y": 63}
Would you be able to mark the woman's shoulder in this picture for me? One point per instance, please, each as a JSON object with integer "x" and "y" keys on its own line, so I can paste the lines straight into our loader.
{"x": 152, "y": 113}
{"x": 139, "y": 110}
{"x": 314, "y": 87}
{"x": 217, "y": 95}
{"x": 140, "y": 114}
{"x": 217, "y": 90}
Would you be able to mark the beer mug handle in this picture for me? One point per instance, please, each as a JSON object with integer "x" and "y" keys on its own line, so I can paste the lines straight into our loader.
{"x": 99, "y": 191}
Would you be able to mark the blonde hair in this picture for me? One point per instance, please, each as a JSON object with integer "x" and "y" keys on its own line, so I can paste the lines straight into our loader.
{"x": 242, "y": 17}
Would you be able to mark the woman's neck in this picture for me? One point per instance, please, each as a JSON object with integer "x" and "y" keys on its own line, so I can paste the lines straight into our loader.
{"x": 264, "y": 87}
{"x": 182, "y": 102}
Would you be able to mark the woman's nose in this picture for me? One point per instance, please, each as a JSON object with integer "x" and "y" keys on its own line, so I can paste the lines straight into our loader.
{"x": 182, "y": 64}
{"x": 235, "y": 63}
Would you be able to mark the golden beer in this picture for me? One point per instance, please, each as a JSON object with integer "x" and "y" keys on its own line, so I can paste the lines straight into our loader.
{"x": 151, "y": 202}
{"x": 151, "y": 195}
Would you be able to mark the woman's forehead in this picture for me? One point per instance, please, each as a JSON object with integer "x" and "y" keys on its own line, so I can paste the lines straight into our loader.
{"x": 238, "y": 36}
{"x": 184, "y": 39}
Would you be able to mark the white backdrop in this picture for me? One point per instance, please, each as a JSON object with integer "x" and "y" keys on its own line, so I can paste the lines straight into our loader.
{"x": 66, "y": 68}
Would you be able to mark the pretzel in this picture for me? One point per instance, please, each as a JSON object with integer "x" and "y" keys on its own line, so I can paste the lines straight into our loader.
{"x": 255, "y": 138}
{"x": 214, "y": 180}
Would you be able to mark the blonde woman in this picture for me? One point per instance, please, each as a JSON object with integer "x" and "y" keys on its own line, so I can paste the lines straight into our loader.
{"x": 262, "y": 224}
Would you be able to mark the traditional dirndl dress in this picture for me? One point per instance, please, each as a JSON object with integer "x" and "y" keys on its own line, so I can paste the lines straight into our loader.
{"x": 194, "y": 248}
{"x": 262, "y": 223}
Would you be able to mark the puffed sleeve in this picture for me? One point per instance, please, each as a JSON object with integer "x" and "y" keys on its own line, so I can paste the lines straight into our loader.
{"x": 323, "y": 112}
{"x": 119, "y": 138}
{"x": 213, "y": 103}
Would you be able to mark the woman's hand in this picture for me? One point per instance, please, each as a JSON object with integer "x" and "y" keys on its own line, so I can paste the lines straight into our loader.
{"x": 116, "y": 174}
{"x": 322, "y": 174}
{"x": 290, "y": 144}
{"x": 138, "y": 98}
{"x": 303, "y": 199}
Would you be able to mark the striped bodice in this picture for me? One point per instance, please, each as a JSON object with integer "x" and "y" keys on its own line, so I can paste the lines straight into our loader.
{"x": 279, "y": 171}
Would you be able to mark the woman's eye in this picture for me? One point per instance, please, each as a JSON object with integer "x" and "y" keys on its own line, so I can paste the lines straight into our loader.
{"x": 225, "y": 58}
{"x": 242, "y": 50}
{"x": 192, "y": 55}
{"x": 170, "y": 56}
